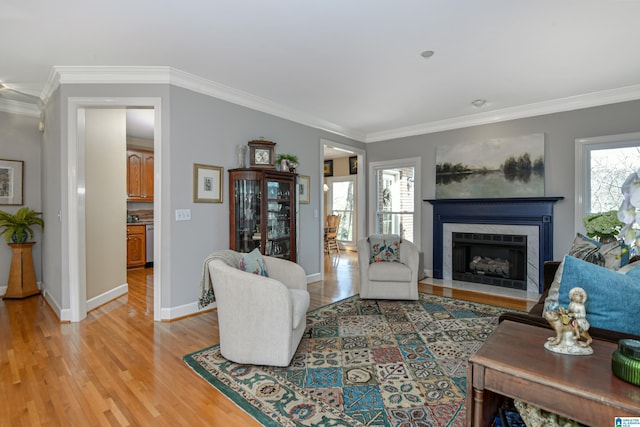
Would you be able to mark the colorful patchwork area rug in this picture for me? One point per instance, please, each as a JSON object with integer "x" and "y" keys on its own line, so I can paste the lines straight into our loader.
{"x": 364, "y": 362}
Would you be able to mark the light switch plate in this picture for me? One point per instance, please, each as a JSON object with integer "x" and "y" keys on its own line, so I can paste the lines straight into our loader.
{"x": 183, "y": 214}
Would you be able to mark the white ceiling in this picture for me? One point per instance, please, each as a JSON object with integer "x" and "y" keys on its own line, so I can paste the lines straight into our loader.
{"x": 355, "y": 64}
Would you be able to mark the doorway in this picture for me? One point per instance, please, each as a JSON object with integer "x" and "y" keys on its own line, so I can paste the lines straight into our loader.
{"x": 344, "y": 175}
{"x": 75, "y": 223}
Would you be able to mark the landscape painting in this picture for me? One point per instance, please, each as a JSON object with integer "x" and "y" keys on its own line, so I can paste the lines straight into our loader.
{"x": 494, "y": 168}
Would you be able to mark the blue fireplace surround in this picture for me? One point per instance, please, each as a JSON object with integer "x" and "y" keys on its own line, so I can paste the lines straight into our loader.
{"x": 532, "y": 211}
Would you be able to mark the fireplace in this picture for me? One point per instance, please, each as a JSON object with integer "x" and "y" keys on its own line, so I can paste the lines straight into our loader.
{"x": 530, "y": 218}
{"x": 492, "y": 259}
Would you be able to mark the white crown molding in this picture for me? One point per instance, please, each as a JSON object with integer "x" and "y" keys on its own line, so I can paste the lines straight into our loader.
{"x": 17, "y": 107}
{"x": 169, "y": 75}
{"x": 172, "y": 76}
{"x": 623, "y": 94}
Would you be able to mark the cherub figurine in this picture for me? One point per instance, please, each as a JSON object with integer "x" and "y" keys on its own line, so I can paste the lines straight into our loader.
{"x": 571, "y": 326}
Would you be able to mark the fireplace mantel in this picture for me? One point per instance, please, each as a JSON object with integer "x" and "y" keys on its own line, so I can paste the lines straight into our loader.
{"x": 533, "y": 211}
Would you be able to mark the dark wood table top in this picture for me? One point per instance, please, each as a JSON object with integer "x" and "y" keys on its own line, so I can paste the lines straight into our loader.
{"x": 517, "y": 351}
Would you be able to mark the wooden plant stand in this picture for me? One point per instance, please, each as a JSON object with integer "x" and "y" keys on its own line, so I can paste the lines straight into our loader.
{"x": 22, "y": 276}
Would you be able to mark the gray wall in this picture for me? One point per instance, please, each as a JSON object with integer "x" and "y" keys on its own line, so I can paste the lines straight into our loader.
{"x": 21, "y": 140}
{"x": 195, "y": 129}
{"x": 560, "y": 129}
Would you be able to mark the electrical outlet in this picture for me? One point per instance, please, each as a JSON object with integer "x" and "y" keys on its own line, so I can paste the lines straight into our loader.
{"x": 183, "y": 214}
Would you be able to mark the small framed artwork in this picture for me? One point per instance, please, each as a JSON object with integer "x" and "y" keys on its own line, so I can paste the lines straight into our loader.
{"x": 207, "y": 183}
{"x": 328, "y": 168}
{"x": 11, "y": 182}
{"x": 353, "y": 165}
{"x": 304, "y": 181}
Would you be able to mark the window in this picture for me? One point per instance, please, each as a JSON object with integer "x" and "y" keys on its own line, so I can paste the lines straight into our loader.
{"x": 341, "y": 201}
{"x": 602, "y": 165}
{"x": 394, "y": 184}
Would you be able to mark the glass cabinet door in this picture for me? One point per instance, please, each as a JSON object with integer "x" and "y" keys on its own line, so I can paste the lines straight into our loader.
{"x": 247, "y": 215}
{"x": 278, "y": 239}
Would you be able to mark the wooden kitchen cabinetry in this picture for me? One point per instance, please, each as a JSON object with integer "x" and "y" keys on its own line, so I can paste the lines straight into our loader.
{"x": 136, "y": 246}
{"x": 139, "y": 175}
{"x": 263, "y": 212}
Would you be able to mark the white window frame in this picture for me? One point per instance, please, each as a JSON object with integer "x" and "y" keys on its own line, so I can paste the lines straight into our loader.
{"x": 415, "y": 163}
{"x": 583, "y": 149}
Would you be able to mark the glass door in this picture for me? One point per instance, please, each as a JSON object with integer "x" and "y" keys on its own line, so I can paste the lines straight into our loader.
{"x": 279, "y": 219}
{"x": 247, "y": 215}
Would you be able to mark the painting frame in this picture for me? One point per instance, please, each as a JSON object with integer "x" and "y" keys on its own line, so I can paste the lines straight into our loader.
{"x": 328, "y": 168}
{"x": 303, "y": 193}
{"x": 11, "y": 182}
{"x": 207, "y": 183}
{"x": 353, "y": 165}
{"x": 495, "y": 167}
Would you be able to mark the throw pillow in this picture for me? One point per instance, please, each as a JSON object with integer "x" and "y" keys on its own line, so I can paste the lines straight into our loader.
{"x": 385, "y": 248}
{"x": 254, "y": 263}
{"x": 609, "y": 255}
{"x": 608, "y": 294}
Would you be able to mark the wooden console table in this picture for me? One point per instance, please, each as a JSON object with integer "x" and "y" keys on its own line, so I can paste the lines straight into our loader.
{"x": 514, "y": 363}
{"x": 22, "y": 276}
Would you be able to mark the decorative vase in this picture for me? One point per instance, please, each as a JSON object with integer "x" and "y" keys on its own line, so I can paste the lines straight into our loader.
{"x": 19, "y": 238}
{"x": 284, "y": 165}
{"x": 241, "y": 151}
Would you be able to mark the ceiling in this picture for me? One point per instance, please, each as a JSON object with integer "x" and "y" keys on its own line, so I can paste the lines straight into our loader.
{"x": 356, "y": 64}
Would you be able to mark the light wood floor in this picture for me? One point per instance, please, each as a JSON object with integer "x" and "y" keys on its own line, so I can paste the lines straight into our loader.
{"x": 118, "y": 367}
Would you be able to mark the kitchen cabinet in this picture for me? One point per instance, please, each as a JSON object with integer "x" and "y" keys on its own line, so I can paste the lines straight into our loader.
{"x": 139, "y": 176}
{"x": 136, "y": 246}
{"x": 263, "y": 212}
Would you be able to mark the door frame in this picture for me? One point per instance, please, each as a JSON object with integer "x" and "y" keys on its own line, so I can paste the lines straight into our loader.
{"x": 361, "y": 183}
{"x": 76, "y": 221}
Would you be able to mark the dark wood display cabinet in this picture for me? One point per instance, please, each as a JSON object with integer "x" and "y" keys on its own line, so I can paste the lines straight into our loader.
{"x": 263, "y": 212}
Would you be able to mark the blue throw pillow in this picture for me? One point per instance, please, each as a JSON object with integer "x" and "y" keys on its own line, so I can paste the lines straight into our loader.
{"x": 254, "y": 263}
{"x": 611, "y": 296}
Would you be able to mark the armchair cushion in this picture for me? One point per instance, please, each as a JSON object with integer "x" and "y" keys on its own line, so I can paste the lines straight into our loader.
{"x": 389, "y": 272}
{"x": 254, "y": 263}
{"x": 385, "y": 247}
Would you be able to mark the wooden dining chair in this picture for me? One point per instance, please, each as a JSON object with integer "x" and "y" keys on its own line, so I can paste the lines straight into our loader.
{"x": 331, "y": 234}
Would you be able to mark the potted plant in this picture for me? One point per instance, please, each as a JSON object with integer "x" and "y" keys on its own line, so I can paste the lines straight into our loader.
{"x": 288, "y": 162}
{"x": 604, "y": 226}
{"x": 16, "y": 227}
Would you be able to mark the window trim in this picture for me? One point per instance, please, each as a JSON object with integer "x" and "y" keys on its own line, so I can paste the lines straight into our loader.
{"x": 583, "y": 148}
{"x": 414, "y": 162}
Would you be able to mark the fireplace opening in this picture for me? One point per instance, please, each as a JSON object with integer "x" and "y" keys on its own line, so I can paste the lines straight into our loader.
{"x": 492, "y": 259}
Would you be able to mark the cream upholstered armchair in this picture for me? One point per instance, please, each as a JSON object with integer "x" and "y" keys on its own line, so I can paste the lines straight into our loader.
{"x": 261, "y": 319}
{"x": 388, "y": 268}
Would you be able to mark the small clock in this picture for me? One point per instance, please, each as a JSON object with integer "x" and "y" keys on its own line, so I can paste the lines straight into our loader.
{"x": 261, "y": 154}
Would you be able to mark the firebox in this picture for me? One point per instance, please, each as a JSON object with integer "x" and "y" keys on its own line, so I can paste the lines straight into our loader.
{"x": 492, "y": 259}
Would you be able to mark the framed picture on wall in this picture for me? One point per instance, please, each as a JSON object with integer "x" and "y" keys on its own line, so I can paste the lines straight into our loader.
{"x": 304, "y": 195}
{"x": 328, "y": 168}
{"x": 353, "y": 165}
{"x": 207, "y": 183}
{"x": 11, "y": 182}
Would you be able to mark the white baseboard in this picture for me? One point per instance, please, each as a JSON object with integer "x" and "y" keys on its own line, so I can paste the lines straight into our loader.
{"x": 183, "y": 311}
{"x": 189, "y": 309}
{"x": 63, "y": 314}
{"x": 314, "y": 278}
{"x": 107, "y": 296}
